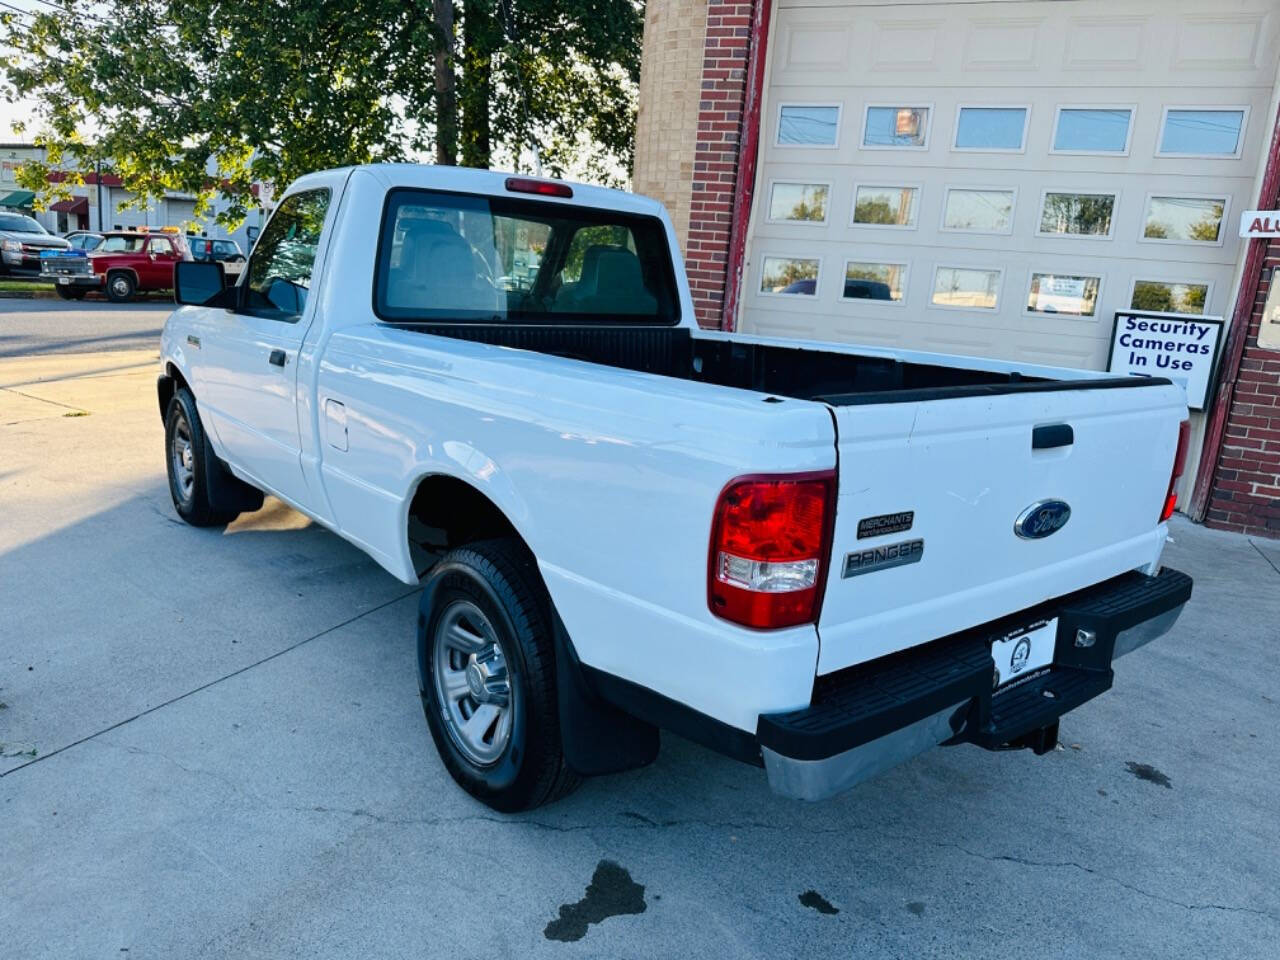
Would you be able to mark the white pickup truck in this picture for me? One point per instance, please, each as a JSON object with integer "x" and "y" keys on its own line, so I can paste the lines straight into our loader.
{"x": 816, "y": 558}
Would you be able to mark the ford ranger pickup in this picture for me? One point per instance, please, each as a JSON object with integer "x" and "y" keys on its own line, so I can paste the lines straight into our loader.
{"x": 819, "y": 559}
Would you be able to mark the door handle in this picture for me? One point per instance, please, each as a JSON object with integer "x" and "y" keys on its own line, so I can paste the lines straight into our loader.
{"x": 1052, "y": 435}
{"x": 278, "y": 358}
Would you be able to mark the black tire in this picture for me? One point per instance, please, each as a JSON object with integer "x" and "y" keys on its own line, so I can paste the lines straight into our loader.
{"x": 70, "y": 293}
{"x": 501, "y": 579}
{"x": 190, "y": 493}
{"x": 120, "y": 286}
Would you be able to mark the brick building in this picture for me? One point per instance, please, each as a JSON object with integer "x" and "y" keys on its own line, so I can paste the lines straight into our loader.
{"x": 991, "y": 179}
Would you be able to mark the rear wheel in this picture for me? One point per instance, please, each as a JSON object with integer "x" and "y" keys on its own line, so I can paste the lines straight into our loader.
{"x": 70, "y": 293}
{"x": 120, "y": 287}
{"x": 486, "y": 670}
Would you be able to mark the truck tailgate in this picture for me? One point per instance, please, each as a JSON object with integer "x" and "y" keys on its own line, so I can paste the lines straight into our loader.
{"x": 965, "y": 469}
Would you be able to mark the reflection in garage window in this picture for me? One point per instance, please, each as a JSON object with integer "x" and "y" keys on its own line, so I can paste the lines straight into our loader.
{"x": 874, "y": 281}
{"x": 1068, "y": 294}
{"x": 979, "y": 211}
{"x": 808, "y": 126}
{"x": 1169, "y": 297}
{"x": 806, "y": 202}
{"x": 786, "y": 275}
{"x": 1202, "y": 133}
{"x": 991, "y": 128}
{"x": 1092, "y": 130}
{"x": 1184, "y": 219}
{"x": 1077, "y": 214}
{"x": 896, "y": 127}
{"x": 885, "y": 206}
{"x": 966, "y": 288}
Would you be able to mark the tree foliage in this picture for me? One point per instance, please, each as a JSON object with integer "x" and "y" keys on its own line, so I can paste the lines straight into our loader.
{"x": 209, "y": 96}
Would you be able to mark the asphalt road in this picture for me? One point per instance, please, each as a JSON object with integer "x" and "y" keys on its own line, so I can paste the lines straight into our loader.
{"x": 29, "y": 327}
{"x": 213, "y": 748}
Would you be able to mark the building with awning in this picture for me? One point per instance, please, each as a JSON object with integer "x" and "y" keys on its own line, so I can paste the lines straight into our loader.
{"x": 73, "y": 207}
{"x": 18, "y": 200}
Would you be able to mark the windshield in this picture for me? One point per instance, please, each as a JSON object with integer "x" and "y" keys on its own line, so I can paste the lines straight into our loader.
{"x": 17, "y": 223}
{"x": 122, "y": 244}
{"x": 457, "y": 258}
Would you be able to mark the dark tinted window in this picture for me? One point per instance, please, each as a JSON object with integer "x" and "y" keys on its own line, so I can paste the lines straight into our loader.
{"x": 457, "y": 258}
{"x": 280, "y": 271}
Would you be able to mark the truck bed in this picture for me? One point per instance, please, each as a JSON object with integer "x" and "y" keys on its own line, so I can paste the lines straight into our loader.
{"x": 834, "y": 377}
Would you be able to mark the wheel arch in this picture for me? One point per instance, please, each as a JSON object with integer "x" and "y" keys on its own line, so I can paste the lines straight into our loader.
{"x": 444, "y": 510}
{"x": 167, "y": 385}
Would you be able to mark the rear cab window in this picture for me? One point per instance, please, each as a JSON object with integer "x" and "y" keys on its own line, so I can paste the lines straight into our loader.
{"x": 461, "y": 258}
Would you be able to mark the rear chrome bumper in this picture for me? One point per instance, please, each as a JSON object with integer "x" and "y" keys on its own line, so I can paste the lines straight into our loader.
{"x": 869, "y": 718}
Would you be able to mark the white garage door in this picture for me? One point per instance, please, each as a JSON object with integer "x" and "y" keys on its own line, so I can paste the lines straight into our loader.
{"x": 999, "y": 178}
{"x": 179, "y": 211}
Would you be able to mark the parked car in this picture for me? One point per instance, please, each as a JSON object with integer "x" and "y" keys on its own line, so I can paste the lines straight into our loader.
{"x": 22, "y": 239}
{"x": 816, "y": 558}
{"x": 126, "y": 263}
{"x": 85, "y": 240}
{"x": 226, "y": 252}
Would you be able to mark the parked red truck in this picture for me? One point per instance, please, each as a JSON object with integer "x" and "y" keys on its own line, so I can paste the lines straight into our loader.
{"x": 127, "y": 262}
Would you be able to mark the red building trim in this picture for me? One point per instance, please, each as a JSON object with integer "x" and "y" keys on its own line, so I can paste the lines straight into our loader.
{"x": 748, "y": 151}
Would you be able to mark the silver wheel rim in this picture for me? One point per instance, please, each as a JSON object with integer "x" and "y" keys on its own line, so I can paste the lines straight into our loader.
{"x": 182, "y": 453}
{"x": 473, "y": 683}
{"x": 121, "y": 286}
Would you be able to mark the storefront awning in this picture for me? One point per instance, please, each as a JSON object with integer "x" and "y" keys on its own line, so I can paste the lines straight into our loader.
{"x": 76, "y": 205}
{"x": 18, "y": 199}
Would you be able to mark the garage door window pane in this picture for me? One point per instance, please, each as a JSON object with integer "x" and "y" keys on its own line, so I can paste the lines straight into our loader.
{"x": 1077, "y": 214}
{"x": 808, "y": 126}
{"x": 1071, "y": 295}
{"x": 785, "y": 275}
{"x": 896, "y": 127}
{"x": 874, "y": 281}
{"x": 1169, "y": 297}
{"x": 1184, "y": 219}
{"x": 979, "y": 211}
{"x": 886, "y": 206}
{"x": 803, "y": 202}
{"x": 1083, "y": 130}
{"x": 1202, "y": 132}
{"x": 990, "y": 128}
{"x": 966, "y": 288}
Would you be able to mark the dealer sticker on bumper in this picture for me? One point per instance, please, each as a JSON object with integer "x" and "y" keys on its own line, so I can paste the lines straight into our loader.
{"x": 1024, "y": 653}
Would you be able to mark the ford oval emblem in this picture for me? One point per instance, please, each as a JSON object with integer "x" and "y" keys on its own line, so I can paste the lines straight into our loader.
{"x": 1041, "y": 519}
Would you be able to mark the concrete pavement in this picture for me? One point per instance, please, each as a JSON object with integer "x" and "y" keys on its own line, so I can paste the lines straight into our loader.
{"x": 230, "y": 761}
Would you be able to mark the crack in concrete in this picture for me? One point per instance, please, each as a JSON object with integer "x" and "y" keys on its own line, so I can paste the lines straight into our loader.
{"x": 1270, "y": 562}
{"x": 40, "y": 399}
{"x": 204, "y": 686}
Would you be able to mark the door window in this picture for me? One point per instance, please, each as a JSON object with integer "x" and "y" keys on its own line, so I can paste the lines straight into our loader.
{"x": 160, "y": 247}
{"x": 280, "y": 271}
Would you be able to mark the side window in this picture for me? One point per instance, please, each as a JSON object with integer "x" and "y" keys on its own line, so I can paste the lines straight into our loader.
{"x": 279, "y": 273}
{"x": 160, "y": 247}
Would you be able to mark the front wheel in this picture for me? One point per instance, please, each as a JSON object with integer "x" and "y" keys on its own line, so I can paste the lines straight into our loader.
{"x": 486, "y": 671}
{"x": 187, "y": 460}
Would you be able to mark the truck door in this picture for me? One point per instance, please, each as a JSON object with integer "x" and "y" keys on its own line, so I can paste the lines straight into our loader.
{"x": 248, "y": 365}
{"x": 155, "y": 272}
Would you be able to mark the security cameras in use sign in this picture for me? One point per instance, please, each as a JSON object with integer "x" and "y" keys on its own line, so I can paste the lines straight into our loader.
{"x": 1180, "y": 348}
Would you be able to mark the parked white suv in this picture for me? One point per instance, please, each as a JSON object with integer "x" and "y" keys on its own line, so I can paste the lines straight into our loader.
{"x": 820, "y": 559}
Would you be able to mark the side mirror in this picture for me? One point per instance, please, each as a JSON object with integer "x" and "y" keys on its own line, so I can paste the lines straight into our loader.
{"x": 200, "y": 283}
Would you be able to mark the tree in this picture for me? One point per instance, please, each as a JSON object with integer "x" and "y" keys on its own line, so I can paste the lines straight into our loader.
{"x": 209, "y": 96}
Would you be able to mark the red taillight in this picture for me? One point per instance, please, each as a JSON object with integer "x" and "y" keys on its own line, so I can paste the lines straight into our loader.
{"x": 1179, "y": 464}
{"x": 770, "y": 540}
{"x": 547, "y": 188}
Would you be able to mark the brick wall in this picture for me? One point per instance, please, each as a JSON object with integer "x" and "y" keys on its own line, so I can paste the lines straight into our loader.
{"x": 670, "y": 91}
{"x": 715, "y": 163}
{"x": 1246, "y": 483}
